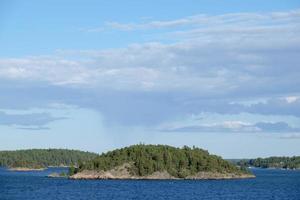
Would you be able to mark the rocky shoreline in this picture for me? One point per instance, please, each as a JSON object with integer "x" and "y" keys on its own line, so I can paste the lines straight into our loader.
{"x": 122, "y": 172}
{"x": 158, "y": 176}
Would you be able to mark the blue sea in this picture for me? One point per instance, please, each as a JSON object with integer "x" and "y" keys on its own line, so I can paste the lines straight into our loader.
{"x": 269, "y": 184}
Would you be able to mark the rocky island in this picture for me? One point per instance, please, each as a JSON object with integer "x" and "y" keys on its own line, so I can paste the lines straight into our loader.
{"x": 158, "y": 162}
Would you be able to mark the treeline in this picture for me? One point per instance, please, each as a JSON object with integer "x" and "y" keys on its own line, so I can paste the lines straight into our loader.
{"x": 40, "y": 158}
{"x": 273, "y": 162}
{"x": 146, "y": 159}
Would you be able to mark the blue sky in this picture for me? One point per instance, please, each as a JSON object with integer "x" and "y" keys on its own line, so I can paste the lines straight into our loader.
{"x": 97, "y": 75}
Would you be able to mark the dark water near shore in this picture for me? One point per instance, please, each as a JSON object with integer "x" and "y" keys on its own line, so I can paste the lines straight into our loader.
{"x": 269, "y": 184}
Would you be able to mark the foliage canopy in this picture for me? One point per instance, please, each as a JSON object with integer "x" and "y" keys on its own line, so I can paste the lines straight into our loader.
{"x": 273, "y": 162}
{"x": 146, "y": 159}
{"x": 40, "y": 158}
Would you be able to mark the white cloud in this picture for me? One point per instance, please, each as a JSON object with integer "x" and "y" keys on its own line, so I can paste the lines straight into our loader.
{"x": 31, "y": 120}
{"x": 290, "y": 136}
{"x": 231, "y": 54}
{"x": 50, "y": 69}
{"x": 209, "y": 68}
{"x": 202, "y": 20}
{"x": 292, "y": 99}
{"x": 214, "y": 61}
{"x": 235, "y": 126}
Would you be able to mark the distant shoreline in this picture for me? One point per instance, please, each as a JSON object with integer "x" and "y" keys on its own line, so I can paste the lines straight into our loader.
{"x": 25, "y": 169}
{"x": 277, "y": 168}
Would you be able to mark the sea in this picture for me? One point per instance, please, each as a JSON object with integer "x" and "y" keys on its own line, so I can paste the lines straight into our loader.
{"x": 269, "y": 184}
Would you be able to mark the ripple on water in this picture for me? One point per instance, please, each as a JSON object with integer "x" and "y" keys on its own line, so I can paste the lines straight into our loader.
{"x": 269, "y": 184}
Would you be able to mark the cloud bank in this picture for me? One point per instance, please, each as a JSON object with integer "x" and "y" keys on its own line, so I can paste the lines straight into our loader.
{"x": 34, "y": 121}
{"x": 211, "y": 62}
{"x": 238, "y": 126}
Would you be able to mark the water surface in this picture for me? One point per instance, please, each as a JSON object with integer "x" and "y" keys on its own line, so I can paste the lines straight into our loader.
{"x": 269, "y": 184}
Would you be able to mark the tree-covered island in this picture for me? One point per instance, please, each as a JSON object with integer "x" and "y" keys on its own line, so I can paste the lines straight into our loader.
{"x": 38, "y": 159}
{"x": 158, "y": 162}
{"x": 272, "y": 162}
{"x": 133, "y": 162}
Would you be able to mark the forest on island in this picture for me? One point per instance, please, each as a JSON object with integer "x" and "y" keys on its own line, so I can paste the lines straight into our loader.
{"x": 146, "y": 159}
{"x": 272, "y": 162}
{"x": 41, "y": 158}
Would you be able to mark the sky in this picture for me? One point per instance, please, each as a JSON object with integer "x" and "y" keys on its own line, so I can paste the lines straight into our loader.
{"x": 98, "y": 75}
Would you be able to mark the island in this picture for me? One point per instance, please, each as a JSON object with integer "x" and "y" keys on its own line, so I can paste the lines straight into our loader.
{"x": 278, "y": 162}
{"x": 40, "y": 159}
{"x": 158, "y": 162}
